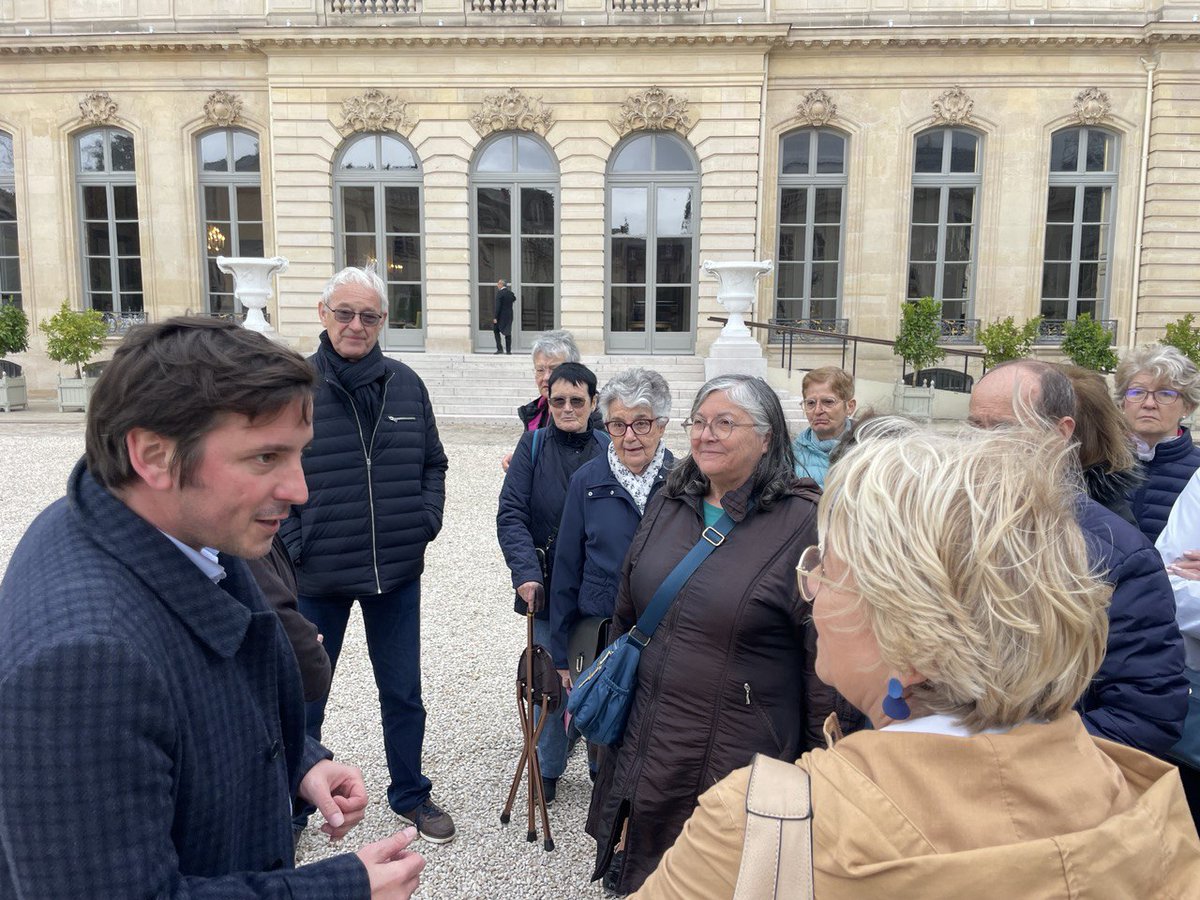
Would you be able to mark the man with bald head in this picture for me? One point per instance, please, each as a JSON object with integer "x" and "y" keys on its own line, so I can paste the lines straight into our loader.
{"x": 1139, "y": 695}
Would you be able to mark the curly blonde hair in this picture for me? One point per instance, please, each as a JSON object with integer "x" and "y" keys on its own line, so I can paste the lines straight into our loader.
{"x": 970, "y": 567}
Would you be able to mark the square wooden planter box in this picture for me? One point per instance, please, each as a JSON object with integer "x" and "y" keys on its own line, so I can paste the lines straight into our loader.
{"x": 74, "y": 393}
{"x": 13, "y": 393}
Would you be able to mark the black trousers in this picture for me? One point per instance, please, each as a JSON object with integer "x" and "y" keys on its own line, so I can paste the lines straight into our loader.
{"x": 507, "y": 340}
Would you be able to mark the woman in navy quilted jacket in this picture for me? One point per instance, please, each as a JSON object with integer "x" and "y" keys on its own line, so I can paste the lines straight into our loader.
{"x": 1157, "y": 387}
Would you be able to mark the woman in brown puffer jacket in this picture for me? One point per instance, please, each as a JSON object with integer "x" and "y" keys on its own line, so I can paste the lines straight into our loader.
{"x": 723, "y": 677}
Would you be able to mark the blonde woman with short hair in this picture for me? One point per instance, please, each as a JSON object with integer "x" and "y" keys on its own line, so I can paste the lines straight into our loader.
{"x": 954, "y": 605}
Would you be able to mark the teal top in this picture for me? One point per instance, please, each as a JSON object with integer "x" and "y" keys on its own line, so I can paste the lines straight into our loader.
{"x": 712, "y": 515}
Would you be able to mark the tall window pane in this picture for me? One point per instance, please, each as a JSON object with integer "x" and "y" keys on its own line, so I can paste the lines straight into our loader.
{"x": 1079, "y": 217}
{"x": 378, "y": 187}
{"x": 942, "y": 238}
{"x": 110, "y": 242}
{"x": 812, "y": 186}
{"x": 10, "y": 258}
{"x": 230, "y": 210}
{"x": 653, "y": 209}
{"x": 514, "y": 185}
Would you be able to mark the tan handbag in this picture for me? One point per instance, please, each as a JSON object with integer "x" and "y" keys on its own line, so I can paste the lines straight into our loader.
{"x": 777, "y": 855}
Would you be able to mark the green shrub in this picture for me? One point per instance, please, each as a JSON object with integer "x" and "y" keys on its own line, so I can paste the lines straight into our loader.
{"x": 74, "y": 337}
{"x": 1185, "y": 337}
{"x": 1003, "y": 340}
{"x": 1087, "y": 343}
{"x": 920, "y": 333}
{"x": 14, "y": 328}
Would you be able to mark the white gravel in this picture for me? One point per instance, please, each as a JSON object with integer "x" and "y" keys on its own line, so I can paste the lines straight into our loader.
{"x": 471, "y": 640}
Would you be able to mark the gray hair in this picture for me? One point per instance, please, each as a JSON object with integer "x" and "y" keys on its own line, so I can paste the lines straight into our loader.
{"x": 365, "y": 277}
{"x": 1055, "y": 398}
{"x": 637, "y": 387}
{"x": 775, "y": 474}
{"x": 1167, "y": 364}
{"x": 556, "y": 343}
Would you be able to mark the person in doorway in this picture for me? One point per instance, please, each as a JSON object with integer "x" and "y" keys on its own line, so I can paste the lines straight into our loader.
{"x": 502, "y": 315}
{"x": 377, "y": 484}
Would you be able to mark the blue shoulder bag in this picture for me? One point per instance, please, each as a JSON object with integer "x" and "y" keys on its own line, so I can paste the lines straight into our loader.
{"x": 601, "y": 699}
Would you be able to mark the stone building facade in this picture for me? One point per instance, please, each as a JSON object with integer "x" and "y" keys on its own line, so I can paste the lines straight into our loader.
{"x": 1010, "y": 157}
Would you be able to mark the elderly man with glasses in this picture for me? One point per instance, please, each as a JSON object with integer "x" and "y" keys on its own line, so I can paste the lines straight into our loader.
{"x": 376, "y": 476}
{"x": 828, "y": 406}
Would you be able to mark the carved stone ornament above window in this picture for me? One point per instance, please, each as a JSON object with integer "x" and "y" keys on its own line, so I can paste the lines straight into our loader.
{"x": 817, "y": 109}
{"x": 222, "y": 108}
{"x": 511, "y": 111}
{"x": 654, "y": 110}
{"x": 953, "y": 107}
{"x": 1092, "y": 106}
{"x": 374, "y": 110}
{"x": 98, "y": 108}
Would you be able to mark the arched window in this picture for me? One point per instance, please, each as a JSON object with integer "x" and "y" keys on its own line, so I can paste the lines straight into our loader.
{"x": 377, "y": 182}
{"x": 1079, "y": 217}
{"x": 946, "y": 182}
{"x": 514, "y": 191}
{"x": 10, "y": 258}
{"x": 231, "y": 216}
{"x": 106, "y": 194}
{"x": 812, "y": 189}
{"x": 653, "y": 205}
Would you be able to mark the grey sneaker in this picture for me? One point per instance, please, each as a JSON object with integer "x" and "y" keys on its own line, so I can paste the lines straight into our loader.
{"x": 431, "y": 821}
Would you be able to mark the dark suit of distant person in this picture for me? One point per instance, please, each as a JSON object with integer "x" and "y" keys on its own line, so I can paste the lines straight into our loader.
{"x": 502, "y": 316}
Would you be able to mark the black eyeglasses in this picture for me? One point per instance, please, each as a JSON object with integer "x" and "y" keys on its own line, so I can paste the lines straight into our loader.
{"x": 1139, "y": 395}
{"x": 346, "y": 316}
{"x": 617, "y": 428}
{"x": 561, "y": 402}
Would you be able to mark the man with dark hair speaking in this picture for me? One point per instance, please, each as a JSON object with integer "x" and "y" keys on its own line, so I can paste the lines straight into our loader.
{"x": 151, "y": 720}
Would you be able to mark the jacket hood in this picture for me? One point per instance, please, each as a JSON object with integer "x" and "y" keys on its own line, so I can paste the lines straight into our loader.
{"x": 1042, "y": 811}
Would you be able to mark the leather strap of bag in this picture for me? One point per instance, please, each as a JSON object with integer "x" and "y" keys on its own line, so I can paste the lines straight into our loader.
{"x": 777, "y": 854}
{"x": 711, "y": 538}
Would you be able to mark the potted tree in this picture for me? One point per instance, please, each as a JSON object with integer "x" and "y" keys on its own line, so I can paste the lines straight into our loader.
{"x": 1184, "y": 336}
{"x": 917, "y": 344}
{"x": 73, "y": 337}
{"x": 14, "y": 338}
{"x": 1004, "y": 340}
{"x": 1088, "y": 344}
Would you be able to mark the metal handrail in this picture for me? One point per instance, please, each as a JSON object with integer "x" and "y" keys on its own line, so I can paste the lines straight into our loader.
{"x": 789, "y": 333}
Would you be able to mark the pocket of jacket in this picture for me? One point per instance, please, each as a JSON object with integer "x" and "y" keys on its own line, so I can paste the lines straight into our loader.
{"x": 763, "y": 715}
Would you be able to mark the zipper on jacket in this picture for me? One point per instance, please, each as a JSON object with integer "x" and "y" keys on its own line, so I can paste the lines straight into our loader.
{"x": 746, "y": 685}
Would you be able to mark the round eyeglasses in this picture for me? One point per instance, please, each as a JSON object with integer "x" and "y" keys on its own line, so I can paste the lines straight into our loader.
{"x": 346, "y": 316}
{"x": 720, "y": 428}
{"x": 1164, "y": 396}
{"x": 807, "y": 577}
{"x": 826, "y": 403}
{"x": 617, "y": 428}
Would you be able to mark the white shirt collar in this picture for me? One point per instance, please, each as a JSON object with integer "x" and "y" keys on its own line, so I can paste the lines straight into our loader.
{"x": 939, "y": 724}
{"x": 204, "y": 558}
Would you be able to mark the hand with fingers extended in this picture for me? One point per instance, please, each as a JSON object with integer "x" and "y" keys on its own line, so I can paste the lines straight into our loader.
{"x": 394, "y": 870}
{"x": 337, "y": 790}
{"x": 534, "y": 596}
{"x": 1187, "y": 566}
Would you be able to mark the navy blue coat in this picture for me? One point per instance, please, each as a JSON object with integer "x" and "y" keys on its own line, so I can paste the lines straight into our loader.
{"x": 531, "y": 500}
{"x": 599, "y": 520}
{"x": 376, "y": 490}
{"x": 1139, "y": 696}
{"x": 1166, "y": 476}
{"x": 151, "y": 721}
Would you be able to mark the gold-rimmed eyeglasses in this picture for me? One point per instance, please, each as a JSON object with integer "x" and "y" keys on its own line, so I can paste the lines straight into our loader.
{"x": 808, "y": 576}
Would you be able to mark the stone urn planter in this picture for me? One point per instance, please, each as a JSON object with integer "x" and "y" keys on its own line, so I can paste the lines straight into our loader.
{"x": 252, "y": 286}
{"x": 74, "y": 393}
{"x": 735, "y": 351}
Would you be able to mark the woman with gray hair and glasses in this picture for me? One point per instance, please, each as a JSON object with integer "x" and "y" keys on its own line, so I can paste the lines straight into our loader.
{"x": 604, "y": 506}
{"x": 1156, "y": 388}
{"x": 722, "y": 677}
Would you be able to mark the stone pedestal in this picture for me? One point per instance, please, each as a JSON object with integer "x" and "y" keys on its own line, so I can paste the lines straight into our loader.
{"x": 735, "y": 351}
{"x": 252, "y": 287}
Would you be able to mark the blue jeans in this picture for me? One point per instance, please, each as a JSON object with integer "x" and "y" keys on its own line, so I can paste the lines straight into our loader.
{"x": 552, "y": 745}
{"x": 393, "y": 625}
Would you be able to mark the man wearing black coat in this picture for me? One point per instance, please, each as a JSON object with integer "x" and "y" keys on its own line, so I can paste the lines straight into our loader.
{"x": 376, "y": 474}
{"x": 502, "y": 315}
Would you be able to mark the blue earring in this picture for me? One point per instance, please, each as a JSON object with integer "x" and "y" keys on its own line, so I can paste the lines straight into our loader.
{"x": 894, "y": 706}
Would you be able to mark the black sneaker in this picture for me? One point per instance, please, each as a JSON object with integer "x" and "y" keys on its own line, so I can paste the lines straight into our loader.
{"x": 549, "y": 789}
{"x": 431, "y": 821}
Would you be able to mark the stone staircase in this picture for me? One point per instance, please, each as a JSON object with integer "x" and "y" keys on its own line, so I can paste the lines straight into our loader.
{"x": 481, "y": 388}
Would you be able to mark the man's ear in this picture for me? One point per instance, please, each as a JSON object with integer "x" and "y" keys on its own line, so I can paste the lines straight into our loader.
{"x": 1066, "y": 427}
{"x": 151, "y": 456}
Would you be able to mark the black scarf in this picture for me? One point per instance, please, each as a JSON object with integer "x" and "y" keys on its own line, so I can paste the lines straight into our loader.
{"x": 362, "y": 378}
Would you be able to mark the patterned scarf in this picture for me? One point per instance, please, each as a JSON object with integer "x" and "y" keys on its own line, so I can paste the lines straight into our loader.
{"x": 638, "y": 485}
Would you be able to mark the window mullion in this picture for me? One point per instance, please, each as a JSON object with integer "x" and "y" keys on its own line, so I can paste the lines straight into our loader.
{"x": 113, "y": 278}
{"x": 381, "y": 258}
{"x": 939, "y": 265}
{"x": 810, "y": 211}
{"x": 1076, "y": 242}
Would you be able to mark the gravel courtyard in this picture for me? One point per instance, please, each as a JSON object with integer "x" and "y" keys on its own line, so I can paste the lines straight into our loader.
{"x": 471, "y": 640}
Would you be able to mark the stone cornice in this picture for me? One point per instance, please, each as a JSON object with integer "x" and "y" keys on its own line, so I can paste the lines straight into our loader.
{"x": 764, "y": 36}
